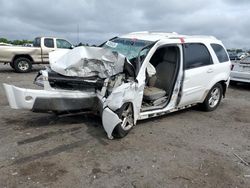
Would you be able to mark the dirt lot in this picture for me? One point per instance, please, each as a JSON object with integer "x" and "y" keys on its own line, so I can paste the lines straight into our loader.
{"x": 185, "y": 149}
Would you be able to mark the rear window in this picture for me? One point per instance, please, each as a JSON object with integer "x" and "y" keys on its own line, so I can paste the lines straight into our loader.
{"x": 37, "y": 42}
{"x": 220, "y": 53}
{"x": 49, "y": 43}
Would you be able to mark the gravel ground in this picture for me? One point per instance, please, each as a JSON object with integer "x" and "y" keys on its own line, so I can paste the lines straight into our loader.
{"x": 184, "y": 149}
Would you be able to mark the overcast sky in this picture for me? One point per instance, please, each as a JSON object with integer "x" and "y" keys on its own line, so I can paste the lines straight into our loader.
{"x": 100, "y": 20}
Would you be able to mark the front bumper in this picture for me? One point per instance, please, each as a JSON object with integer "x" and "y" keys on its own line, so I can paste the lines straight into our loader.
{"x": 49, "y": 100}
{"x": 240, "y": 76}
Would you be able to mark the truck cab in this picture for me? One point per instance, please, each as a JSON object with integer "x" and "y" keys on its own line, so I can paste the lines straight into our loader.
{"x": 50, "y": 44}
{"x": 22, "y": 58}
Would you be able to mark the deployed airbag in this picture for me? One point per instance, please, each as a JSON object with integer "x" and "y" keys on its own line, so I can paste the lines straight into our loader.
{"x": 87, "y": 62}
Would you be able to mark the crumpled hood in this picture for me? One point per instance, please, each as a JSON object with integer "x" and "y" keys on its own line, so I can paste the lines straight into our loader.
{"x": 87, "y": 62}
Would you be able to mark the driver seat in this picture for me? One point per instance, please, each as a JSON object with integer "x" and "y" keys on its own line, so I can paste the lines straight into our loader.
{"x": 159, "y": 85}
{"x": 153, "y": 93}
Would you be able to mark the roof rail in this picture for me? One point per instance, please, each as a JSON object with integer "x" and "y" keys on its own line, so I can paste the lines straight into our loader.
{"x": 139, "y": 32}
{"x": 154, "y": 32}
{"x": 201, "y": 36}
{"x": 192, "y": 36}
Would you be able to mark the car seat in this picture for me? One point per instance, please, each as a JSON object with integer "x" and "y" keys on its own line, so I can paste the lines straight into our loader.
{"x": 164, "y": 76}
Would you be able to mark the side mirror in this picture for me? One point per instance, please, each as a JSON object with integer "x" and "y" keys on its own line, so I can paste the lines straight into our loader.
{"x": 72, "y": 47}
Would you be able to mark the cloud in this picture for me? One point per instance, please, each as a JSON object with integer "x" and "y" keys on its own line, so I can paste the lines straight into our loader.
{"x": 100, "y": 20}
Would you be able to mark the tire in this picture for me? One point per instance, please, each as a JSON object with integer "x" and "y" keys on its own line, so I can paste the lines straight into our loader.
{"x": 125, "y": 113}
{"x": 213, "y": 98}
{"x": 22, "y": 65}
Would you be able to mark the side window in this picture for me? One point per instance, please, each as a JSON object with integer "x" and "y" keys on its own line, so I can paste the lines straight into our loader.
{"x": 196, "y": 55}
{"x": 220, "y": 53}
{"x": 49, "y": 43}
{"x": 60, "y": 43}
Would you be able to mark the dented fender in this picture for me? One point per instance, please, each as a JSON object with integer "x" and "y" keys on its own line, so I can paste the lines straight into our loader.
{"x": 109, "y": 121}
{"x": 124, "y": 93}
{"x": 127, "y": 92}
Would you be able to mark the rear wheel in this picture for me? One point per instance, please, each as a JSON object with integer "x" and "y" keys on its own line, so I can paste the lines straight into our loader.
{"x": 22, "y": 65}
{"x": 125, "y": 113}
{"x": 213, "y": 98}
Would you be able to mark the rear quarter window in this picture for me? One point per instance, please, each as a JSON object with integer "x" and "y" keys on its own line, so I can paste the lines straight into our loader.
{"x": 37, "y": 42}
{"x": 220, "y": 53}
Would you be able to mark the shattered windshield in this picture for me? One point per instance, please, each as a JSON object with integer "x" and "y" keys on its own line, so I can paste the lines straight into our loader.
{"x": 128, "y": 47}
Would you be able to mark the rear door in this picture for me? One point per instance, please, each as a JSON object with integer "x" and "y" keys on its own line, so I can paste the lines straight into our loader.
{"x": 198, "y": 72}
{"x": 47, "y": 47}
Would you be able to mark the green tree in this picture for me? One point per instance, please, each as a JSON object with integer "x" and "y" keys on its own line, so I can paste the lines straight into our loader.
{"x": 20, "y": 42}
{"x": 239, "y": 50}
{"x": 4, "y": 40}
{"x": 16, "y": 42}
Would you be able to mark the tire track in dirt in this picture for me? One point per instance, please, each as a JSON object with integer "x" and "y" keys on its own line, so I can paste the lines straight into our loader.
{"x": 47, "y": 135}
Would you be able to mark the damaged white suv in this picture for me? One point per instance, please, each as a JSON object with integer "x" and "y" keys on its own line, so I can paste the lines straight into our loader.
{"x": 131, "y": 77}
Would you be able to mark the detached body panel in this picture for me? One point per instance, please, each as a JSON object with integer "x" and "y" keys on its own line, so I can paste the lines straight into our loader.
{"x": 49, "y": 100}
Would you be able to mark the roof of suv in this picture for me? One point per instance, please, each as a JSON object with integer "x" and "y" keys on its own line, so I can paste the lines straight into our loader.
{"x": 154, "y": 36}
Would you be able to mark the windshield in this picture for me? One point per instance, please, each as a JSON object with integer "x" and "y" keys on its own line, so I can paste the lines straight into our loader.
{"x": 128, "y": 47}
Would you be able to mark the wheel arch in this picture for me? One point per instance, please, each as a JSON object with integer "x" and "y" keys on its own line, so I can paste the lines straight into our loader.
{"x": 223, "y": 83}
{"x": 133, "y": 109}
{"x": 224, "y": 87}
{"x": 22, "y": 55}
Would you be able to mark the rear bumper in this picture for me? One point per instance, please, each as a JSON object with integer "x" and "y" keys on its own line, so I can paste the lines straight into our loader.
{"x": 53, "y": 100}
{"x": 240, "y": 76}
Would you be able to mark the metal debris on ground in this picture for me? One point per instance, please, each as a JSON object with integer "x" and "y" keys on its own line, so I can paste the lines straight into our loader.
{"x": 242, "y": 160}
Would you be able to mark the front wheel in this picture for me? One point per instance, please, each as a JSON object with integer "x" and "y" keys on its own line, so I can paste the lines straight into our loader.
{"x": 125, "y": 113}
{"x": 22, "y": 65}
{"x": 213, "y": 98}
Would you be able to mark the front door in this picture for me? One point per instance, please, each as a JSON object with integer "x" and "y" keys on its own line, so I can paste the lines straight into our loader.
{"x": 47, "y": 47}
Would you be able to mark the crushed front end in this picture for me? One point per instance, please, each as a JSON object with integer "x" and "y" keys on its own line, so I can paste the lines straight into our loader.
{"x": 83, "y": 79}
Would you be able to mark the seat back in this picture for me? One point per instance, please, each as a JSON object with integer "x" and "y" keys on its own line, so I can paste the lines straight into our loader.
{"x": 165, "y": 70}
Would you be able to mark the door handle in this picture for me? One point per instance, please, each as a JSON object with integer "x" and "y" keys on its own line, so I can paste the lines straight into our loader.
{"x": 210, "y": 70}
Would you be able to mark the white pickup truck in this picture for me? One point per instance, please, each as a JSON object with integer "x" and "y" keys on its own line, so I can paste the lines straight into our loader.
{"x": 21, "y": 58}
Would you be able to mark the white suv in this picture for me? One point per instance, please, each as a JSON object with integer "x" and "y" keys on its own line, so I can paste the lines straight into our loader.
{"x": 131, "y": 77}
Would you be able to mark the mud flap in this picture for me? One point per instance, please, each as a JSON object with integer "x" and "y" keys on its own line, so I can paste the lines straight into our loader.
{"x": 109, "y": 121}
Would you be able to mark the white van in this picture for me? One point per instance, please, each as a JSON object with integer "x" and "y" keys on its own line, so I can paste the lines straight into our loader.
{"x": 131, "y": 77}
